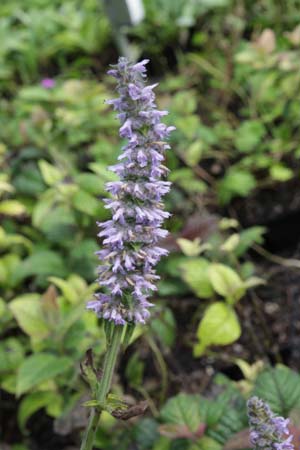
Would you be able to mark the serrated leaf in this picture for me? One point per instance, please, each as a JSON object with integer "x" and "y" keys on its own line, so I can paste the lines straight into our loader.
{"x": 38, "y": 368}
{"x": 280, "y": 388}
{"x": 219, "y": 326}
{"x": 182, "y": 410}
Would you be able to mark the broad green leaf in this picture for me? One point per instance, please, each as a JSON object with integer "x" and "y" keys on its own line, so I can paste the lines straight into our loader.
{"x": 146, "y": 433}
{"x": 226, "y": 282}
{"x": 50, "y": 174}
{"x": 219, "y": 326}
{"x": 226, "y": 415}
{"x": 195, "y": 274}
{"x": 38, "y": 368}
{"x": 182, "y": 410}
{"x": 32, "y": 403}
{"x": 280, "y": 387}
{"x": 27, "y": 310}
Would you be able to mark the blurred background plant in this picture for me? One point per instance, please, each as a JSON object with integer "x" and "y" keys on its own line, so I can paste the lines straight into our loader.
{"x": 229, "y": 73}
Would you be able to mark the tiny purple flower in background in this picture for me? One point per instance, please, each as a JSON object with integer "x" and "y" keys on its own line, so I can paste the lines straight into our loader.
{"x": 130, "y": 238}
{"x": 267, "y": 431}
{"x": 48, "y": 83}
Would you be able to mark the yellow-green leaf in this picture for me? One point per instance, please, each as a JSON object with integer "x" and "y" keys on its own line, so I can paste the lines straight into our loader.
{"x": 226, "y": 282}
{"x": 12, "y": 208}
{"x": 27, "y": 310}
{"x": 219, "y": 326}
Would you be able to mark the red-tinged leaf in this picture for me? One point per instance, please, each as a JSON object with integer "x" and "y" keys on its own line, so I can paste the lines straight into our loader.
{"x": 197, "y": 226}
{"x": 295, "y": 431}
{"x": 239, "y": 441}
{"x": 176, "y": 431}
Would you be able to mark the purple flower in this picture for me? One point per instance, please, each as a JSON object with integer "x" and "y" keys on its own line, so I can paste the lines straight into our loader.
{"x": 267, "y": 431}
{"x": 48, "y": 83}
{"x": 131, "y": 237}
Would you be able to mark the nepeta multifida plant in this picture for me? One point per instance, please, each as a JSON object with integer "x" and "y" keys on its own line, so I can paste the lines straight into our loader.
{"x": 131, "y": 237}
{"x": 267, "y": 431}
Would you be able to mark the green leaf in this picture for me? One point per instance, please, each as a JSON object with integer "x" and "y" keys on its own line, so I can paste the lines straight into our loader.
{"x": 231, "y": 243}
{"x": 280, "y": 172}
{"x": 66, "y": 286}
{"x": 27, "y": 310}
{"x": 195, "y": 274}
{"x": 51, "y": 174}
{"x": 182, "y": 410}
{"x": 43, "y": 262}
{"x": 145, "y": 433}
{"x": 192, "y": 248}
{"x": 280, "y": 387}
{"x": 11, "y": 354}
{"x": 164, "y": 327}
{"x": 235, "y": 183}
{"x": 32, "y": 403}
{"x": 185, "y": 178}
{"x": 86, "y": 203}
{"x": 219, "y": 326}
{"x": 206, "y": 443}
{"x": 38, "y": 368}
{"x": 226, "y": 415}
{"x": 226, "y": 282}
{"x": 135, "y": 370}
{"x": 91, "y": 183}
{"x": 253, "y": 235}
{"x": 12, "y": 208}
{"x": 249, "y": 135}
{"x": 194, "y": 153}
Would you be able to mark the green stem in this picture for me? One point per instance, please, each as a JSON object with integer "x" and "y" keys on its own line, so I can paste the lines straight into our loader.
{"x": 104, "y": 387}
